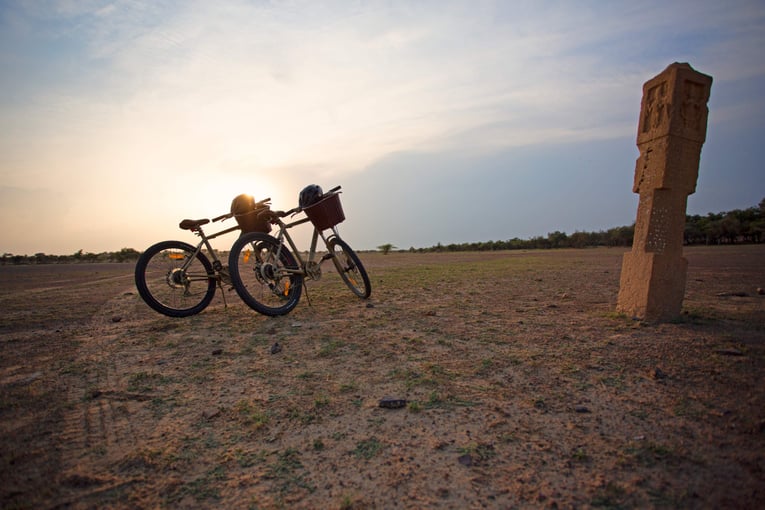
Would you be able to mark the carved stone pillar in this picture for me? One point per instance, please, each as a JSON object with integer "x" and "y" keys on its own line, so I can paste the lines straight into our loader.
{"x": 671, "y": 130}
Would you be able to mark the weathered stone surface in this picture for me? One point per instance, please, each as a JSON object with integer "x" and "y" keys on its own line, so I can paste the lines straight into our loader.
{"x": 671, "y": 131}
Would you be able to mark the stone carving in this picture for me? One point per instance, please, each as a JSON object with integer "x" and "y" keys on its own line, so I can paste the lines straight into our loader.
{"x": 671, "y": 130}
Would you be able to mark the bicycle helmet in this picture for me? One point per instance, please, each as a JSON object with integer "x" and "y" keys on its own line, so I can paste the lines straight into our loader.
{"x": 242, "y": 204}
{"x": 310, "y": 195}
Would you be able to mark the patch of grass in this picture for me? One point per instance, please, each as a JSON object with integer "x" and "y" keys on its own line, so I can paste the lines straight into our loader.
{"x": 616, "y": 382}
{"x": 449, "y": 402}
{"x": 413, "y": 378}
{"x": 580, "y": 455}
{"x": 299, "y": 415}
{"x": 640, "y": 414}
{"x": 248, "y": 459}
{"x": 669, "y": 499}
{"x": 288, "y": 472}
{"x": 485, "y": 367}
{"x": 249, "y": 414}
{"x": 347, "y": 387}
{"x": 161, "y": 406}
{"x": 479, "y": 452}
{"x": 330, "y": 347}
{"x": 201, "y": 489}
{"x": 347, "y": 502}
{"x": 368, "y": 448}
{"x": 609, "y": 496}
{"x": 688, "y": 408}
{"x": 143, "y": 382}
{"x": 650, "y": 454}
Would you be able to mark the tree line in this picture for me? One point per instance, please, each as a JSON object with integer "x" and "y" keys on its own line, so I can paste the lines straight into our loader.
{"x": 78, "y": 257}
{"x": 732, "y": 227}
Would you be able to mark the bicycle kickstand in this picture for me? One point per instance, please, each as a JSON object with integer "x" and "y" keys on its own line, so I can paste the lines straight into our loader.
{"x": 305, "y": 290}
{"x": 223, "y": 293}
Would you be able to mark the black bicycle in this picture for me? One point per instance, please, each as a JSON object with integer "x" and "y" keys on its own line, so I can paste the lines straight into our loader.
{"x": 178, "y": 279}
{"x": 268, "y": 271}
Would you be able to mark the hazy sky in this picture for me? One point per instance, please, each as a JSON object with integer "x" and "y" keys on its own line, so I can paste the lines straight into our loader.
{"x": 444, "y": 121}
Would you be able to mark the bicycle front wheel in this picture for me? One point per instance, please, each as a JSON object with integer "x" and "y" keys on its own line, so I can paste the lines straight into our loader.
{"x": 173, "y": 281}
{"x": 265, "y": 274}
{"x": 349, "y": 267}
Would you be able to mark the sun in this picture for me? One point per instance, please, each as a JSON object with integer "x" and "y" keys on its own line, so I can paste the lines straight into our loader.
{"x": 213, "y": 198}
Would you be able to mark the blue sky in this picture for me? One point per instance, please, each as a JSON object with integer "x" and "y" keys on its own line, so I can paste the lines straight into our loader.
{"x": 443, "y": 121}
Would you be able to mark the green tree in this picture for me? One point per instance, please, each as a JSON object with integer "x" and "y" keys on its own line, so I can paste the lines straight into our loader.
{"x": 386, "y": 248}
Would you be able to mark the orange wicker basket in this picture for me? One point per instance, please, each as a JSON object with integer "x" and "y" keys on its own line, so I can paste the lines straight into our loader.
{"x": 327, "y": 212}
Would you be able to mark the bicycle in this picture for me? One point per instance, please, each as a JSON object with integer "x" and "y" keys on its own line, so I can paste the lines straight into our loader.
{"x": 269, "y": 277}
{"x": 177, "y": 279}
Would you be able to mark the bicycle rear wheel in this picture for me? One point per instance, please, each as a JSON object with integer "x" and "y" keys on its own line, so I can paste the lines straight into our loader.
{"x": 174, "y": 282}
{"x": 264, "y": 275}
{"x": 349, "y": 267}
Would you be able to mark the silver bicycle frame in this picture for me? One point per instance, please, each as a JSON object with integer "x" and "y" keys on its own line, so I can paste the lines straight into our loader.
{"x": 283, "y": 233}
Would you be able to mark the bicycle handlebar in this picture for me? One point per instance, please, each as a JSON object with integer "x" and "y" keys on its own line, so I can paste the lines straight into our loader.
{"x": 223, "y": 217}
{"x": 282, "y": 214}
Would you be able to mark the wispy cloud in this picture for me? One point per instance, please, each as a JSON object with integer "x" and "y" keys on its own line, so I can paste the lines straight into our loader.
{"x": 125, "y": 92}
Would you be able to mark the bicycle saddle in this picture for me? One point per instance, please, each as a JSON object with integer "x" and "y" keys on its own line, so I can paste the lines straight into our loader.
{"x": 192, "y": 224}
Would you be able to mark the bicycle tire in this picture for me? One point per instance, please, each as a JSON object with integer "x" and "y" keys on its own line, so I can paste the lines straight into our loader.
{"x": 259, "y": 277}
{"x": 349, "y": 267}
{"x": 168, "y": 288}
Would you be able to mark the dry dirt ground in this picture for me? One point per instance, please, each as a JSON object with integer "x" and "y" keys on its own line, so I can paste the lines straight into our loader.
{"x": 524, "y": 389}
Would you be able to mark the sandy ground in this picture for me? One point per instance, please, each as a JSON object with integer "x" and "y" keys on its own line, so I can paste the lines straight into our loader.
{"x": 523, "y": 389}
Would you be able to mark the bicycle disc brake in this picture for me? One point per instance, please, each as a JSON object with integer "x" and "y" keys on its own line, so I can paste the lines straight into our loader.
{"x": 176, "y": 278}
{"x": 269, "y": 274}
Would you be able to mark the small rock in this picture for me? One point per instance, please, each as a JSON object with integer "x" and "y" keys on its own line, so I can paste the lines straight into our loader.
{"x": 729, "y": 352}
{"x": 276, "y": 348}
{"x": 209, "y": 414}
{"x": 116, "y": 318}
{"x": 217, "y": 352}
{"x": 658, "y": 374}
{"x": 82, "y": 481}
{"x": 370, "y": 305}
{"x": 581, "y": 409}
{"x": 760, "y": 291}
{"x": 392, "y": 403}
{"x": 732, "y": 294}
{"x": 465, "y": 460}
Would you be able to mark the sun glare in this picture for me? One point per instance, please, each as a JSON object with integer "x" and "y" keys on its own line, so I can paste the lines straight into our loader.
{"x": 221, "y": 193}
